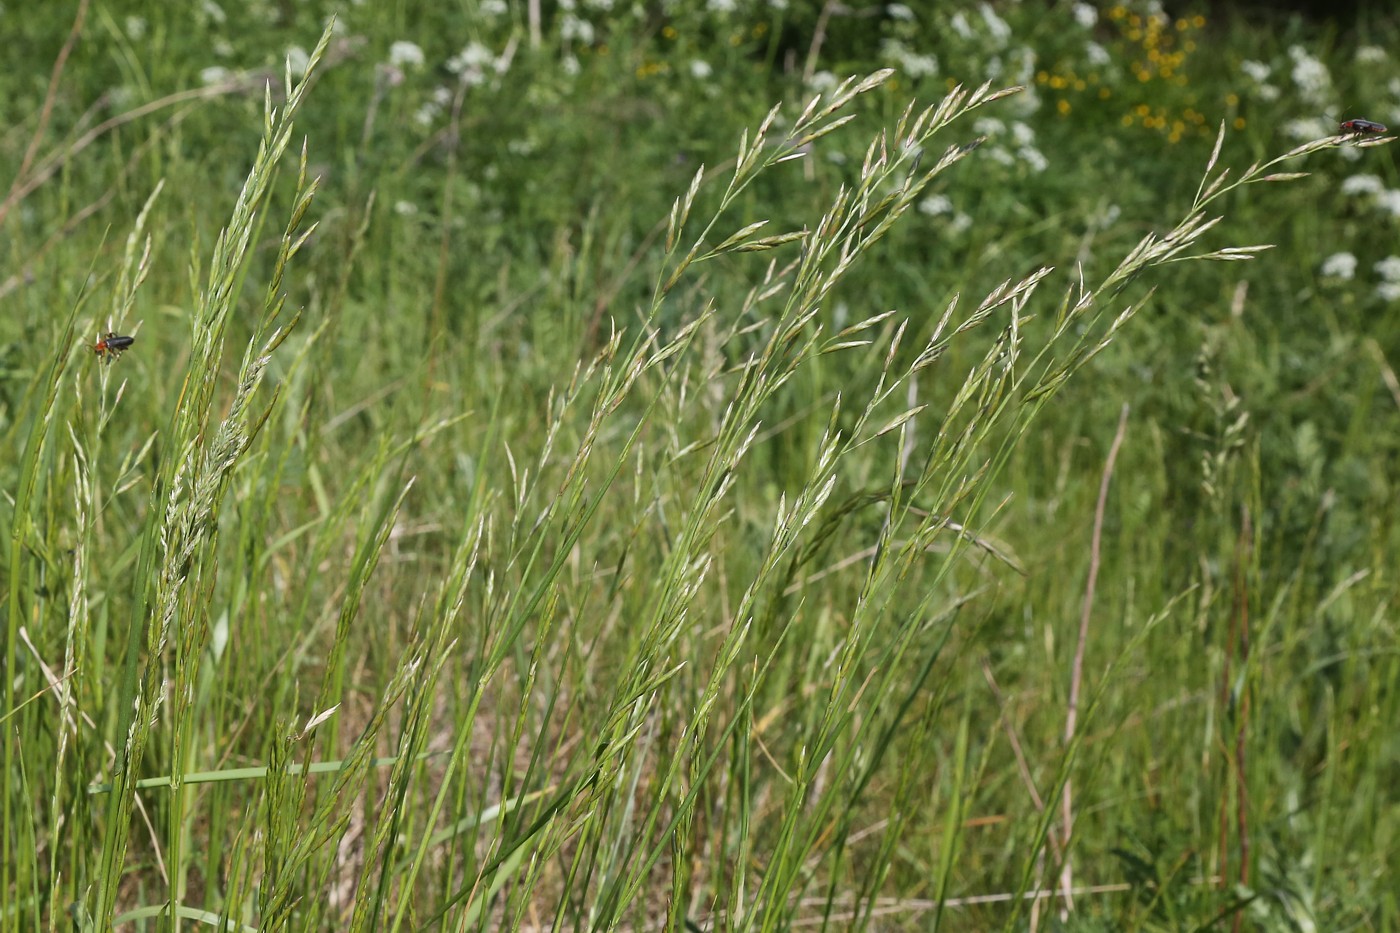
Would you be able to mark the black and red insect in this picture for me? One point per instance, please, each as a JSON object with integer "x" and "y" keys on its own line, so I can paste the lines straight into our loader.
{"x": 111, "y": 345}
{"x": 1363, "y": 128}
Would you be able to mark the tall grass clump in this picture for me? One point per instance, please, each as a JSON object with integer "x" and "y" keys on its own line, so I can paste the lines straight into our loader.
{"x": 642, "y": 685}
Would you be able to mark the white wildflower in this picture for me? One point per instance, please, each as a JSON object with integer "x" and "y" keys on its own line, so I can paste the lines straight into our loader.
{"x": 1034, "y": 158}
{"x": 996, "y": 26}
{"x": 1257, "y": 71}
{"x": 470, "y": 64}
{"x": 427, "y": 113}
{"x": 1362, "y": 184}
{"x": 1389, "y": 201}
{"x": 1389, "y": 268}
{"x": 1310, "y": 75}
{"x": 1339, "y": 266}
{"x": 1303, "y": 128}
{"x": 403, "y": 53}
{"x": 572, "y": 28}
{"x": 935, "y": 205}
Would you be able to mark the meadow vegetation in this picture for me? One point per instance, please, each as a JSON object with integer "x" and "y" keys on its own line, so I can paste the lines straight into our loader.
{"x": 698, "y": 466}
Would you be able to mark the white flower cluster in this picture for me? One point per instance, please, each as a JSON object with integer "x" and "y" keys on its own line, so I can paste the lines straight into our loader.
{"x": 1342, "y": 268}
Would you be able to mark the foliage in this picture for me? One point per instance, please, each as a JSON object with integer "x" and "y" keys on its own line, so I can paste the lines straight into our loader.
{"x": 526, "y": 508}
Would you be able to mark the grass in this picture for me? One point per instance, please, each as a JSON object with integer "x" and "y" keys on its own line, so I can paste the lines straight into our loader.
{"x": 476, "y": 538}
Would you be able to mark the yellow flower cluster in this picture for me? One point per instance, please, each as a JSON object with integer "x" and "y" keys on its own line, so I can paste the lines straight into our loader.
{"x": 1159, "y": 53}
{"x": 1155, "y": 51}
